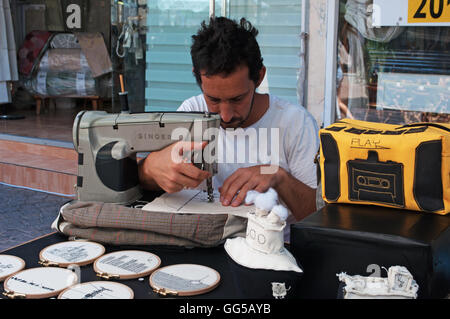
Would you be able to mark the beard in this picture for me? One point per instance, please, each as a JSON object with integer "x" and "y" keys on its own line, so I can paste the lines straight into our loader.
{"x": 235, "y": 122}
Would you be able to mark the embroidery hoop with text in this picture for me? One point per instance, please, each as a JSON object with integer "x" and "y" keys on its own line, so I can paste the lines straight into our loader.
{"x": 94, "y": 251}
{"x": 143, "y": 257}
{"x": 177, "y": 274}
{"x": 119, "y": 291}
{"x": 17, "y": 265}
{"x": 39, "y": 283}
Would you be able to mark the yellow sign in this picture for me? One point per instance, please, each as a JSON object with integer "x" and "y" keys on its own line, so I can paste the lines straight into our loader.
{"x": 428, "y": 11}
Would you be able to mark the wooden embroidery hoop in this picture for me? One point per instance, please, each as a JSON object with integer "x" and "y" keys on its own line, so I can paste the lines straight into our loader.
{"x": 15, "y": 270}
{"x": 47, "y": 262}
{"x": 71, "y": 279}
{"x": 183, "y": 268}
{"x": 106, "y": 275}
{"x": 126, "y": 288}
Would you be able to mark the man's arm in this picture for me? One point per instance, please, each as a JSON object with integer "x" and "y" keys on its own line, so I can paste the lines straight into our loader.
{"x": 167, "y": 170}
{"x": 300, "y": 198}
{"x": 145, "y": 177}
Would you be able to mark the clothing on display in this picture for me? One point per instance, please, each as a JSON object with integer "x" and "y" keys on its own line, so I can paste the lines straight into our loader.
{"x": 8, "y": 61}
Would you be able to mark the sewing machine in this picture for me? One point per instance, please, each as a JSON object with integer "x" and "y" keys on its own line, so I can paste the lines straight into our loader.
{"x": 107, "y": 144}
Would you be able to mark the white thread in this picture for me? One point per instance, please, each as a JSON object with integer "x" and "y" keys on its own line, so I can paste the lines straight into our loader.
{"x": 281, "y": 211}
{"x": 250, "y": 197}
{"x": 265, "y": 201}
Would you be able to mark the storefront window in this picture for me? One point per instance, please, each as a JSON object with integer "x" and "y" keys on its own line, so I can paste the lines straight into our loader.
{"x": 151, "y": 43}
{"x": 128, "y": 40}
{"x": 279, "y": 25}
{"x": 394, "y": 74}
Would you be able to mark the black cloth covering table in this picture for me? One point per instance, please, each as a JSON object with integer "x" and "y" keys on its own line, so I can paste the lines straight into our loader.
{"x": 359, "y": 239}
{"x": 245, "y": 283}
{"x": 215, "y": 258}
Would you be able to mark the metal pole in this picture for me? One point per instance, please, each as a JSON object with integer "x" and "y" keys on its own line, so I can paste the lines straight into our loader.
{"x": 329, "y": 113}
{"x": 224, "y": 8}
{"x": 212, "y": 8}
{"x": 304, "y": 54}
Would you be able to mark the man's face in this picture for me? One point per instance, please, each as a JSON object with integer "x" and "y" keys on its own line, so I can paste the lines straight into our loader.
{"x": 229, "y": 95}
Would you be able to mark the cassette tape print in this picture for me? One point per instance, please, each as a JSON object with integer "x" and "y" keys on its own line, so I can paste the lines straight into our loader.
{"x": 374, "y": 181}
{"x": 398, "y": 166}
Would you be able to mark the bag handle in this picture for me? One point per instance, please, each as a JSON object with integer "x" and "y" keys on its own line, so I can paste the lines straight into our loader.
{"x": 442, "y": 127}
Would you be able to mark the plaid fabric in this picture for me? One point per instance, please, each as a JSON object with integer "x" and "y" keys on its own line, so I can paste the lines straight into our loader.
{"x": 116, "y": 224}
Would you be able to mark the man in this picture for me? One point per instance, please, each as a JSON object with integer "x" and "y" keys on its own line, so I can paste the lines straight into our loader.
{"x": 228, "y": 67}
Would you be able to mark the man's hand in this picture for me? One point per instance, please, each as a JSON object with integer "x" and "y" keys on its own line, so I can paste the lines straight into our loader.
{"x": 168, "y": 170}
{"x": 246, "y": 179}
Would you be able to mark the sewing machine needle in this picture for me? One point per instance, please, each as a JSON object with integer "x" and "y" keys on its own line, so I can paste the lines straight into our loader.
{"x": 210, "y": 190}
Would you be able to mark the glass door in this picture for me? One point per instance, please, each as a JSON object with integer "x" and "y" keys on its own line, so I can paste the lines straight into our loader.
{"x": 395, "y": 72}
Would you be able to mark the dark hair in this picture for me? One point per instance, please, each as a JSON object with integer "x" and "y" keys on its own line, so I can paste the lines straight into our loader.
{"x": 223, "y": 45}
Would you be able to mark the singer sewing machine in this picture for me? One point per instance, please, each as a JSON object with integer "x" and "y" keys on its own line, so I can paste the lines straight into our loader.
{"x": 107, "y": 144}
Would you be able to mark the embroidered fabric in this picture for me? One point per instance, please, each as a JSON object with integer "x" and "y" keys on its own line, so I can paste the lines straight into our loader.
{"x": 398, "y": 285}
{"x": 263, "y": 246}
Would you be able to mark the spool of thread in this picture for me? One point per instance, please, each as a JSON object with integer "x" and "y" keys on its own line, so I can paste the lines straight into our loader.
{"x": 123, "y": 96}
{"x": 122, "y": 86}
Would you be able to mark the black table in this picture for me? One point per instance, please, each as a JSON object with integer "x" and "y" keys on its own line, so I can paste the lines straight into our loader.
{"x": 360, "y": 239}
{"x": 215, "y": 258}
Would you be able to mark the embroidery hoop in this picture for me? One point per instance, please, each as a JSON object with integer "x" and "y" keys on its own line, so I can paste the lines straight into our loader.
{"x": 143, "y": 256}
{"x": 181, "y": 272}
{"x": 121, "y": 291}
{"x": 94, "y": 250}
{"x": 54, "y": 278}
{"x": 19, "y": 264}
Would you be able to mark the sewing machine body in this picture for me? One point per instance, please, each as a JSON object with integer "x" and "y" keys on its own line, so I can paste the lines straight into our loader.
{"x": 107, "y": 144}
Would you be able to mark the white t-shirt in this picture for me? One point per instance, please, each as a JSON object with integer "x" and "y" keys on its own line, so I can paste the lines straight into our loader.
{"x": 285, "y": 136}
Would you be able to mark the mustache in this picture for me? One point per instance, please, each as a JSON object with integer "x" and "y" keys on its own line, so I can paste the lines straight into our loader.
{"x": 233, "y": 120}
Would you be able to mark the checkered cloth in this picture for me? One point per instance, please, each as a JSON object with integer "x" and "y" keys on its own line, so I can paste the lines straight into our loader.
{"x": 121, "y": 225}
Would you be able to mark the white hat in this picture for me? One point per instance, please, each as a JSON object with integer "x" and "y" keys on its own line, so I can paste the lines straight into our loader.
{"x": 263, "y": 246}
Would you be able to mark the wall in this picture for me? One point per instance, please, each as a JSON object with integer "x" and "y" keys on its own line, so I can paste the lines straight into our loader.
{"x": 317, "y": 29}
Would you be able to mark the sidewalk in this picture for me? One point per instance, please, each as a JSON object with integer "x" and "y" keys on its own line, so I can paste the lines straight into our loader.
{"x": 26, "y": 214}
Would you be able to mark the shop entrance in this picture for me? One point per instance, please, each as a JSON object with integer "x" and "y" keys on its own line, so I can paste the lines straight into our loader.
{"x": 62, "y": 65}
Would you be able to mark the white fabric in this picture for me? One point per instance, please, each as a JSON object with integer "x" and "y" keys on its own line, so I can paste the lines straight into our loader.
{"x": 264, "y": 235}
{"x": 8, "y": 61}
{"x": 194, "y": 201}
{"x": 399, "y": 284}
{"x": 238, "y": 249}
{"x": 298, "y": 141}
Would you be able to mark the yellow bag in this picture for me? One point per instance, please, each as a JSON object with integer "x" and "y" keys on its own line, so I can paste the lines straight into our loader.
{"x": 402, "y": 166}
